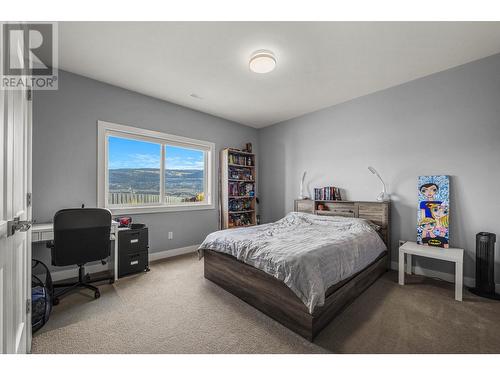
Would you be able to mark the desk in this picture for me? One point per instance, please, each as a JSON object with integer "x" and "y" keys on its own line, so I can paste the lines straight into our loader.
{"x": 451, "y": 254}
{"x": 45, "y": 232}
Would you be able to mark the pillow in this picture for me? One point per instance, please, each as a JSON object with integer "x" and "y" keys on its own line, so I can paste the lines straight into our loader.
{"x": 375, "y": 227}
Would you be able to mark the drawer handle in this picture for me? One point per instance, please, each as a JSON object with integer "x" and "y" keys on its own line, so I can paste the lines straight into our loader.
{"x": 134, "y": 241}
{"x": 133, "y": 263}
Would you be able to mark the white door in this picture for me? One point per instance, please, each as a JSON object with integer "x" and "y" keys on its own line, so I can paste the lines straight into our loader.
{"x": 15, "y": 216}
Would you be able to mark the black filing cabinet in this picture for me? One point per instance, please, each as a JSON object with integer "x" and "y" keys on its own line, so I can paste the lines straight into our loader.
{"x": 133, "y": 254}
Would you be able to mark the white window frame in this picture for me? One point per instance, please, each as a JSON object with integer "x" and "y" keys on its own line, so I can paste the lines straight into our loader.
{"x": 106, "y": 129}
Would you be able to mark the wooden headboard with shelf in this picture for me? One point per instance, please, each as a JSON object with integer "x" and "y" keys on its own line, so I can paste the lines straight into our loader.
{"x": 378, "y": 213}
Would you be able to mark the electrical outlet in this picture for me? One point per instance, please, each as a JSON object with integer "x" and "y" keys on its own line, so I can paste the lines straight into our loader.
{"x": 170, "y": 235}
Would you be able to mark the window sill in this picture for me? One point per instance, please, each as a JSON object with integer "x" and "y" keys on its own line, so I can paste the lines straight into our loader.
{"x": 156, "y": 209}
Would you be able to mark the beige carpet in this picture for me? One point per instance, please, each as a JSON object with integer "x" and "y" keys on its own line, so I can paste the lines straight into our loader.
{"x": 173, "y": 309}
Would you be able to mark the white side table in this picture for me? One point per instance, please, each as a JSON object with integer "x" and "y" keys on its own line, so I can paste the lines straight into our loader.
{"x": 451, "y": 254}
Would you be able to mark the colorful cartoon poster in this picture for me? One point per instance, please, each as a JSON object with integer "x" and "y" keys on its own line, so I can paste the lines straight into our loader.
{"x": 433, "y": 211}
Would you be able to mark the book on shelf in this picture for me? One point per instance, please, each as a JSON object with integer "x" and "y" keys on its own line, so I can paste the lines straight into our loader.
{"x": 239, "y": 159}
{"x": 327, "y": 193}
{"x": 239, "y": 205}
{"x": 240, "y": 188}
{"x": 240, "y": 220}
{"x": 242, "y": 174}
{"x": 337, "y": 194}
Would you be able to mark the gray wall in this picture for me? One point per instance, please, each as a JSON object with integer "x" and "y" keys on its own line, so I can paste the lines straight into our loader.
{"x": 65, "y": 151}
{"x": 446, "y": 123}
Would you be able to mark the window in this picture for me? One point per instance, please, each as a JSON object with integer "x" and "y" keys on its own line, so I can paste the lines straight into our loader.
{"x": 146, "y": 171}
{"x": 133, "y": 172}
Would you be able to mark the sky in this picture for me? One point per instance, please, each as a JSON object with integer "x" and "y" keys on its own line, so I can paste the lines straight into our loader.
{"x": 128, "y": 153}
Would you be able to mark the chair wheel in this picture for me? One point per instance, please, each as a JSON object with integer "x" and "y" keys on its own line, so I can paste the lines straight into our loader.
{"x": 97, "y": 295}
{"x": 55, "y": 301}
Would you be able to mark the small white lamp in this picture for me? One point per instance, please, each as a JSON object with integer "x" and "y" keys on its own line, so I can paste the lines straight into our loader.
{"x": 383, "y": 196}
{"x": 302, "y": 196}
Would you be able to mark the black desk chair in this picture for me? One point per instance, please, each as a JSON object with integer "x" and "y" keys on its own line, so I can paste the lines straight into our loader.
{"x": 81, "y": 235}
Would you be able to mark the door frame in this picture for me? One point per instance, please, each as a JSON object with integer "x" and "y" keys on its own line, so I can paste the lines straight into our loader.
{"x": 14, "y": 104}
{"x": 29, "y": 205}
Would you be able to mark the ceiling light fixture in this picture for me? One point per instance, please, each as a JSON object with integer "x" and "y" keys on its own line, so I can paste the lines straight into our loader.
{"x": 262, "y": 62}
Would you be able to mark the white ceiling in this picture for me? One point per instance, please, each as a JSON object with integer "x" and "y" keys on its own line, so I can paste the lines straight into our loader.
{"x": 319, "y": 64}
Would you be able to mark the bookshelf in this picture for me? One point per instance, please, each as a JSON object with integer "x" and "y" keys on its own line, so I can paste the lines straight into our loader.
{"x": 237, "y": 188}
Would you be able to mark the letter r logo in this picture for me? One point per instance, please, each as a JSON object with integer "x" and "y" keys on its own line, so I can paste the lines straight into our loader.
{"x": 33, "y": 43}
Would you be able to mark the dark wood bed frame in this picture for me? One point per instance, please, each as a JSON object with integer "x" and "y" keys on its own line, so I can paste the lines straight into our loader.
{"x": 274, "y": 298}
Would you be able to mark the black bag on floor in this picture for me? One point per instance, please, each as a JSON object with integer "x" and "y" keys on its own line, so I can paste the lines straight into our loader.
{"x": 41, "y": 294}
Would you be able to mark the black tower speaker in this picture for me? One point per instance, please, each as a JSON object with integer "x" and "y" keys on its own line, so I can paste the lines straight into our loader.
{"x": 485, "y": 266}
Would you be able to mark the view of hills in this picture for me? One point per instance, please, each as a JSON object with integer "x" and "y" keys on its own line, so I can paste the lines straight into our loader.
{"x": 182, "y": 183}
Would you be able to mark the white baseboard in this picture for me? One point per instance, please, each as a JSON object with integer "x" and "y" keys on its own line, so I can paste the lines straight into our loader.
{"x": 66, "y": 274}
{"x": 173, "y": 252}
{"x": 93, "y": 268}
{"x": 468, "y": 281}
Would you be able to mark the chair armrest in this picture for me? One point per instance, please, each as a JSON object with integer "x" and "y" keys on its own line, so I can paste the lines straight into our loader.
{"x": 49, "y": 244}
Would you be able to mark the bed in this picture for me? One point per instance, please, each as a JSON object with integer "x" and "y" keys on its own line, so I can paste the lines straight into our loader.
{"x": 303, "y": 269}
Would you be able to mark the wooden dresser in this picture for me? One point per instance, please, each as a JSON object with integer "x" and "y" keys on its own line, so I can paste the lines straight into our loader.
{"x": 378, "y": 213}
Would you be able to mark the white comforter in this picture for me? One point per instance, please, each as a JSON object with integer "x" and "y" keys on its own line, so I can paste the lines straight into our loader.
{"x": 309, "y": 253}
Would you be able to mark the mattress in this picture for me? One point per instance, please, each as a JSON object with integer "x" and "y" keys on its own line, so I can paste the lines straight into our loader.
{"x": 309, "y": 253}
